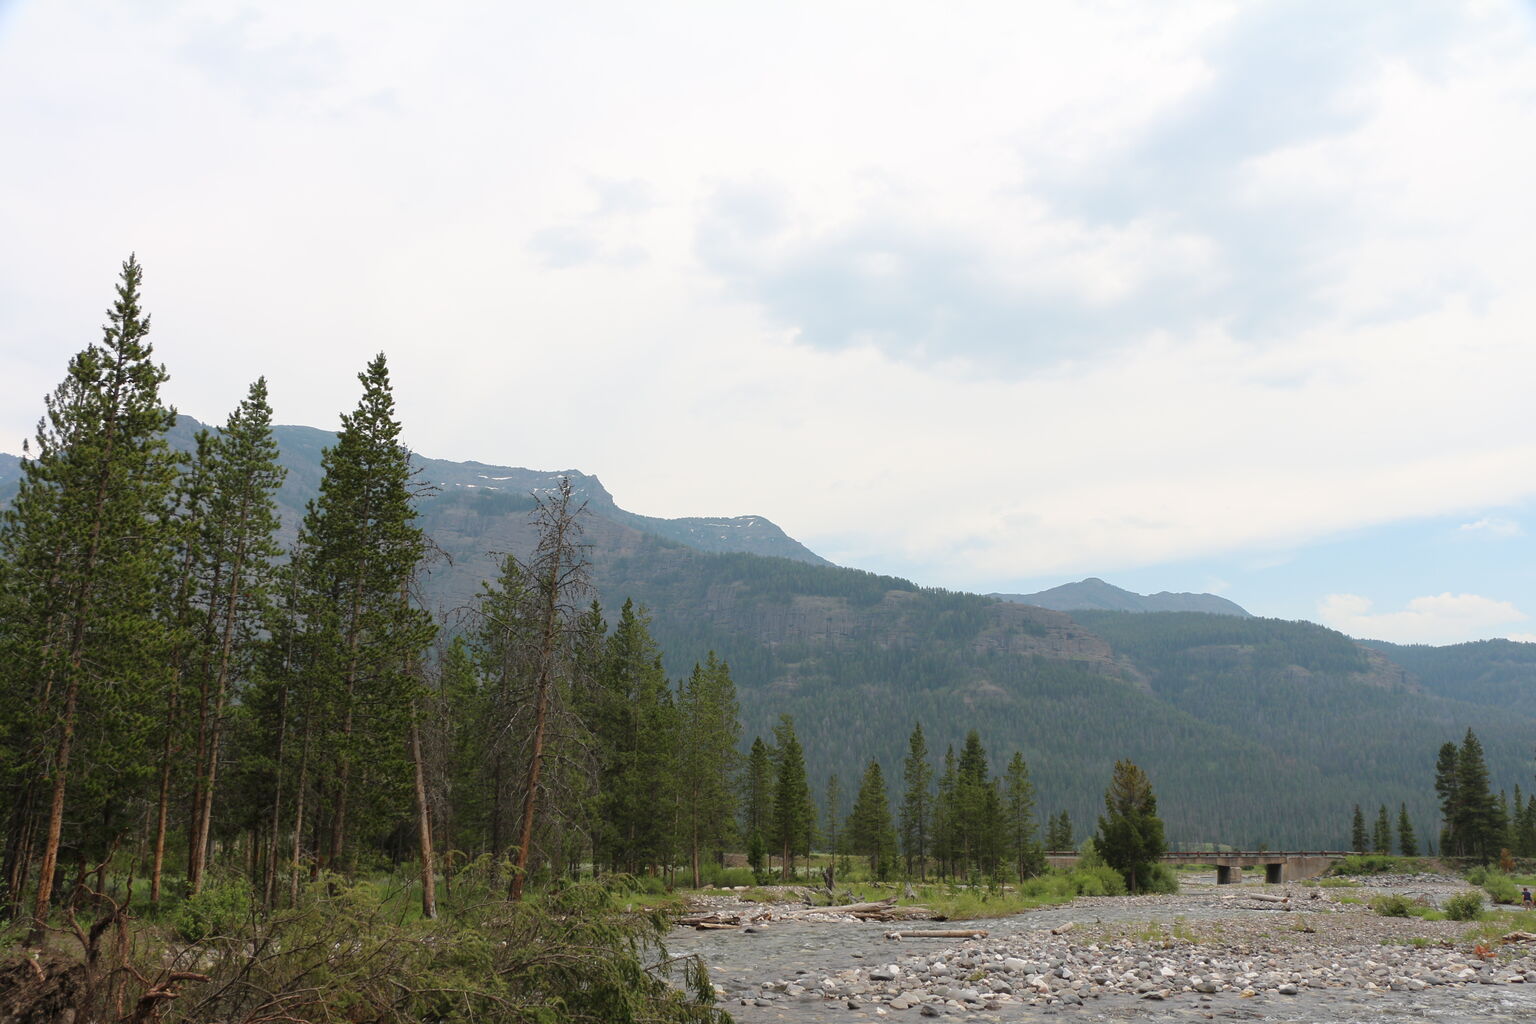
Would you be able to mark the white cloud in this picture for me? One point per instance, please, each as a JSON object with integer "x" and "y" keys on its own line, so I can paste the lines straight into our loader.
{"x": 1491, "y": 526}
{"x": 1438, "y": 619}
{"x": 514, "y": 202}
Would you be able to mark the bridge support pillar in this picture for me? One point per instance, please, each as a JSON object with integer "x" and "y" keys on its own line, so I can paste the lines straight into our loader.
{"x": 1273, "y": 873}
{"x": 1228, "y": 874}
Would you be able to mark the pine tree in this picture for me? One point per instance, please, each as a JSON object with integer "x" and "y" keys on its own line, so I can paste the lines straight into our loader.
{"x": 757, "y": 797}
{"x": 793, "y": 815}
{"x": 1381, "y": 833}
{"x": 1476, "y": 826}
{"x": 869, "y": 824}
{"x": 978, "y": 820}
{"x": 86, "y": 541}
{"x": 358, "y": 550}
{"x": 1357, "y": 837}
{"x": 637, "y": 743}
{"x": 1445, "y": 788}
{"x": 833, "y": 834}
{"x": 711, "y": 723}
{"x": 946, "y": 816}
{"x": 1019, "y": 817}
{"x": 1407, "y": 842}
{"x": 1130, "y": 837}
{"x": 917, "y": 802}
{"x": 1061, "y": 836}
{"x": 236, "y": 561}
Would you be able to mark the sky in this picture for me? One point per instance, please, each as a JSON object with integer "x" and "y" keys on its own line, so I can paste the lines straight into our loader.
{"x": 1226, "y": 297}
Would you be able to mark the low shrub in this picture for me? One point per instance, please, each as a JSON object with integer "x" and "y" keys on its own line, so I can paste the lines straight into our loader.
{"x": 1500, "y": 887}
{"x": 1097, "y": 881}
{"x": 1367, "y": 864}
{"x": 1162, "y": 878}
{"x": 1464, "y": 906}
{"x": 1392, "y": 905}
{"x": 222, "y": 908}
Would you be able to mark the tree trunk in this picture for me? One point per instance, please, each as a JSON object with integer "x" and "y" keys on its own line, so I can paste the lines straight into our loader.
{"x": 428, "y": 868}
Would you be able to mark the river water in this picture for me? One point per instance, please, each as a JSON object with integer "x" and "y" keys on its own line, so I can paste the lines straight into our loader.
{"x": 740, "y": 962}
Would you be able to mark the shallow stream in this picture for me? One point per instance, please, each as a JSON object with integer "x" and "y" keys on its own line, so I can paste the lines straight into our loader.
{"x": 741, "y": 962}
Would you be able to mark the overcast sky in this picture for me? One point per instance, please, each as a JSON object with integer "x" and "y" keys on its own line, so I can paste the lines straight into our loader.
{"x": 1209, "y": 296}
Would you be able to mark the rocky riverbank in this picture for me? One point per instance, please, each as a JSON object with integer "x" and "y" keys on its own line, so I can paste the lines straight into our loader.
{"x": 1210, "y": 951}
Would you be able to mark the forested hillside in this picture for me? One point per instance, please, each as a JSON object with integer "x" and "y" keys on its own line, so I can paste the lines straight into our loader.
{"x": 1498, "y": 673}
{"x": 1316, "y": 698}
{"x": 1253, "y": 730}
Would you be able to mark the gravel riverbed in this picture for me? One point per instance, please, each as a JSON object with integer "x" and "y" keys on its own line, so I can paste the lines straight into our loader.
{"x": 1207, "y": 953}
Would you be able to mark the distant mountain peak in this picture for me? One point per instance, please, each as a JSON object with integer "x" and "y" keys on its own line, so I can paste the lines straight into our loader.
{"x": 1093, "y": 593}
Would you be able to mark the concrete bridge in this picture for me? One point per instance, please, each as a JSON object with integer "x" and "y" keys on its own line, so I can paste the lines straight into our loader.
{"x": 1278, "y": 865}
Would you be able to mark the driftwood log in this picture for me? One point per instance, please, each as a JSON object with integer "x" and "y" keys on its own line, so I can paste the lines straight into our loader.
{"x": 938, "y": 933}
{"x": 1062, "y": 929}
{"x": 852, "y": 908}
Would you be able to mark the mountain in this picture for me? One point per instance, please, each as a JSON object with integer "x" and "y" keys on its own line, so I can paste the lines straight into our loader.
{"x": 10, "y": 472}
{"x": 1094, "y": 593}
{"x": 1498, "y": 673}
{"x": 1252, "y": 730}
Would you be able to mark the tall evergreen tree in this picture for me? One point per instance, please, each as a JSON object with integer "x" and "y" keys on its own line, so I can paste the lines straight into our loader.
{"x": 1407, "y": 842}
{"x": 794, "y": 817}
{"x": 1061, "y": 833}
{"x": 917, "y": 802}
{"x": 1381, "y": 832}
{"x": 358, "y": 549}
{"x": 711, "y": 725}
{"x": 85, "y": 540}
{"x": 1476, "y": 827}
{"x": 637, "y": 742}
{"x": 1019, "y": 819}
{"x": 978, "y": 813}
{"x": 1130, "y": 837}
{"x": 869, "y": 824}
{"x": 1445, "y": 789}
{"x": 757, "y": 797}
{"x": 946, "y": 815}
{"x": 1358, "y": 841}
{"x": 237, "y": 553}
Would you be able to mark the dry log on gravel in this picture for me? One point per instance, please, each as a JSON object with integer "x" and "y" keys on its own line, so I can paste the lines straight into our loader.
{"x": 1063, "y": 929}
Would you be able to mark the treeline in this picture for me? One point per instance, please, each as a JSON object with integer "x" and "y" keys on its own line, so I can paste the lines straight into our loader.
{"x": 189, "y": 701}
{"x": 250, "y": 732}
{"x": 1474, "y": 823}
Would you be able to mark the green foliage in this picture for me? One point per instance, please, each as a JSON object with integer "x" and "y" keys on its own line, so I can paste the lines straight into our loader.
{"x": 869, "y": 830}
{"x": 1161, "y": 879}
{"x": 1464, "y": 906}
{"x": 1130, "y": 837}
{"x": 1392, "y": 905}
{"x": 917, "y": 803}
{"x": 569, "y": 954}
{"x": 83, "y": 547}
{"x": 1499, "y": 886}
{"x": 1367, "y": 864}
{"x": 794, "y": 818}
{"x": 221, "y": 909}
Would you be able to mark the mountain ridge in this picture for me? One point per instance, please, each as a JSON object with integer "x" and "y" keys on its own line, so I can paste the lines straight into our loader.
{"x": 1094, "y": 593}
{"x": 1253, "y": 730}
